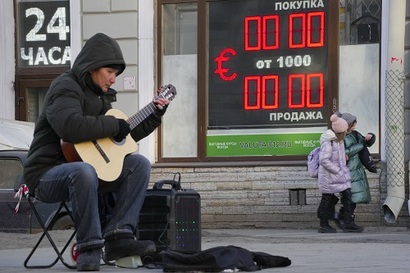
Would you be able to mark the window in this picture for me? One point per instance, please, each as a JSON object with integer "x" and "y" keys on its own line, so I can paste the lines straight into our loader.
{"x": 251, "y": 84}
{"x": 179, "y": 67}
{"x": 359, "y": 21}
{"x": 297, "y": 197}
{"x": 9, "y": 170}
{"x": 359, "y": 35}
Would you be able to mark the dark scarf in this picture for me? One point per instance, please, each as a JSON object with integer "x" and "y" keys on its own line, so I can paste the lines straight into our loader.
{"x": 92, "y": 85}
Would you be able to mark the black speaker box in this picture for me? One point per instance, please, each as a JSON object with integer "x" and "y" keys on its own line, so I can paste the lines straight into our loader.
{"x": 171, "y": 217}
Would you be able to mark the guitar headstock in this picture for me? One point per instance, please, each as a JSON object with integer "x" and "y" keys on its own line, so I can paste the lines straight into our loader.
{"x": 167, "y": 92}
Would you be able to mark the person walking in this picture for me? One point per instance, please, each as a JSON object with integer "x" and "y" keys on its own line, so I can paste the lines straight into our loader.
{"x": 334, "y": 176}
{"x": 354, "y": 144}
{"x": 74, "y": 111}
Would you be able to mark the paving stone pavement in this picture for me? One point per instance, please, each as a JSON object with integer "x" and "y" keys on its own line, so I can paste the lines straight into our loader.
{"x": 381, "y": 250}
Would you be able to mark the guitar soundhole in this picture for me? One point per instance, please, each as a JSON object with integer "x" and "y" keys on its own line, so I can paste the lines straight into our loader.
{"x": 119, "y": 143}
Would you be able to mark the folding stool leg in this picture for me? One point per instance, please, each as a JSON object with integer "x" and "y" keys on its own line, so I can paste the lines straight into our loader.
{"x": 50, "y": 239}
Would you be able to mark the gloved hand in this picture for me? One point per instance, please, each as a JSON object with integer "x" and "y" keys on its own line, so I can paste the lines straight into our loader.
{"x": 161, "y": 111}
{"x": 123, "y": 131}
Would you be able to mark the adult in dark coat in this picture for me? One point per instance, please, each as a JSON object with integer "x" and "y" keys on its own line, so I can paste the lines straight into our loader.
{"x": 74, "y": 111}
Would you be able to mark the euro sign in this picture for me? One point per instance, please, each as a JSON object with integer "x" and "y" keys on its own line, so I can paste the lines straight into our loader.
{"x": 222, "y": 72}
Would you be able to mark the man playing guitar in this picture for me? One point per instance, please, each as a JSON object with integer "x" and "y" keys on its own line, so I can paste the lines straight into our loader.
{"x": 75, "y": 111}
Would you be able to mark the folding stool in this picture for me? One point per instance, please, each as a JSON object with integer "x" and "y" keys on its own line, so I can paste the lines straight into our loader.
{"x": 23, "y": 191}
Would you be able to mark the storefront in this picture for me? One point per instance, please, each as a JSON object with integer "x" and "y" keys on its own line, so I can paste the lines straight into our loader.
{"x": 257, "y": 82}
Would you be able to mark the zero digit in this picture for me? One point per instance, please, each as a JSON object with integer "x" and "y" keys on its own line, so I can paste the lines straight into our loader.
{"x": 261, "y": 32}
{"x": 304, "y": 91}
{"x": 305, "y": 30}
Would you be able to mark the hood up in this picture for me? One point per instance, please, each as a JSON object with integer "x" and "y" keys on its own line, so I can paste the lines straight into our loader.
{"x": 99, "y": 51}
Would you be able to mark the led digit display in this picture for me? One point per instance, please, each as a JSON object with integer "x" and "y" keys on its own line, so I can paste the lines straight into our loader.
{"x": 268, "y": 64}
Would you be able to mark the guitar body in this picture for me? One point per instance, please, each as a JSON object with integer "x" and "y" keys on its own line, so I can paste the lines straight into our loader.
{"x": 108, "y": 157}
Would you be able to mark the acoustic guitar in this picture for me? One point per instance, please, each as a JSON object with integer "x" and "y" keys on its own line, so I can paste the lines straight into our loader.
{"x": 107, "y": 155}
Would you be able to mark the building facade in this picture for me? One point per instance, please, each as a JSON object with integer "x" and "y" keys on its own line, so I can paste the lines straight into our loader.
{"x": 255, "y": 88}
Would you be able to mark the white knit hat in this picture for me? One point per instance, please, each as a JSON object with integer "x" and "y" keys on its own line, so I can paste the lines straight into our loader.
{"x": 339, "y": 125}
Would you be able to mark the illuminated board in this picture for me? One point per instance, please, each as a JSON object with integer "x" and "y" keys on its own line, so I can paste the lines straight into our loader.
{"x": 268, "y": 64}
{"x": 43, "y": 33}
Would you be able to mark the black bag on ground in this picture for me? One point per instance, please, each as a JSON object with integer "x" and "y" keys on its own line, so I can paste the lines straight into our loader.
{"x": 220, "y": 258}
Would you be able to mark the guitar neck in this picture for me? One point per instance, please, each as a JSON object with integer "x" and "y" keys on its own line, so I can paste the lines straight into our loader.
{"x": 167, "y": 92}
{"x": 141, "y": 115}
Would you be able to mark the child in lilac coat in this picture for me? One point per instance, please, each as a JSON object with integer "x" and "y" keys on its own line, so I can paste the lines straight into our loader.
{"x": 334, "y": 176}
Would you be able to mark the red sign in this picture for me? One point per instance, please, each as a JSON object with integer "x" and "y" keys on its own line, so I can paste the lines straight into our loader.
{"x": 268, "y": 64}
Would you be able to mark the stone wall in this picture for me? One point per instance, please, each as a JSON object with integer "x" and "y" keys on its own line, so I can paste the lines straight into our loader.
{"x": 259, "y": 197}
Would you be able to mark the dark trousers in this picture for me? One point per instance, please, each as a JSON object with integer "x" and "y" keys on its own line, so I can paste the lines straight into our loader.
{"x": 327, "y": 204}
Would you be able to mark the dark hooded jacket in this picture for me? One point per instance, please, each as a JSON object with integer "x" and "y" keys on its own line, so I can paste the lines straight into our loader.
{"x": 74, "y": 109}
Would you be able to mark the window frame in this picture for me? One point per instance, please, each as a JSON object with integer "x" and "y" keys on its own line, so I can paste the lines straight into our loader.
{"x": 202, "y": 71}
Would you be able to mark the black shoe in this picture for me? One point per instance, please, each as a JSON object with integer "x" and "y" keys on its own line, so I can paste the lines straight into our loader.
{"x": 327, "y": 229}
{"x": 352, "y": 227}
{"x": 89, "y": 260}
{"x": 338, "y": 220}
{"x": 121, "y": 248}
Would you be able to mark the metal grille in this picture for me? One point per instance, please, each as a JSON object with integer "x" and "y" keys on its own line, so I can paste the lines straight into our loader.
{"x": 358, "y": 7}
{"x": 394, "y": 128}
{"x": 352, "y": 10}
